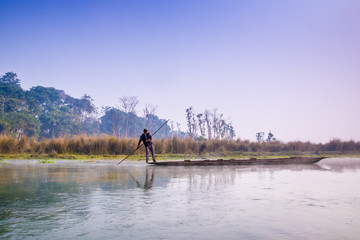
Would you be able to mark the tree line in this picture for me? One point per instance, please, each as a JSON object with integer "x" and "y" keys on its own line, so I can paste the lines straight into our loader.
{"x": 46, "y": 112}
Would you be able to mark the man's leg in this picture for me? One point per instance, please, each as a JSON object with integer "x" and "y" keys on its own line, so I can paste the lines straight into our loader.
{"x": 152, "y": 152}
{"x": 147, "y": 153}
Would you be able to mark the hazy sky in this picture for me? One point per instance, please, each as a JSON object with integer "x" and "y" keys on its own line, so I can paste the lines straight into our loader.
{"x": 292, "y": 67}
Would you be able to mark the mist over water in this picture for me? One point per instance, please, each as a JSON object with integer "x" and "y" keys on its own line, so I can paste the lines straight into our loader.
{"x": 83, "y": 200}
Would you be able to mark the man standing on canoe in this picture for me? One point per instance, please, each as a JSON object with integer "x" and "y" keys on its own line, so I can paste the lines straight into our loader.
{"x": 147, "y": 140}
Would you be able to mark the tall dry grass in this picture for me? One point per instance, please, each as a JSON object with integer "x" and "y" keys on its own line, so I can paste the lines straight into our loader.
{"x": 101, "y": 145}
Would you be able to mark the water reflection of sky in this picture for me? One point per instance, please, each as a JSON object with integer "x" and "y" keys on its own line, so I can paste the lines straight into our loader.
{"x": 134, "y": 201}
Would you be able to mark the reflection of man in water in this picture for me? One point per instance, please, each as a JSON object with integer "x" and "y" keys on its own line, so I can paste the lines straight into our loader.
{"x": 149, "y": 180}
{"x": 147, "y": 140}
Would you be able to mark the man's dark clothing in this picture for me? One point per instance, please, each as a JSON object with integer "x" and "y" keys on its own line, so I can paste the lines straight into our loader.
{"x": 145, "y": 137}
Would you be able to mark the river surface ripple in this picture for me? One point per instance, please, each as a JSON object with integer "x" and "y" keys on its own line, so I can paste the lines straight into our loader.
{"x": 93, "y": 200}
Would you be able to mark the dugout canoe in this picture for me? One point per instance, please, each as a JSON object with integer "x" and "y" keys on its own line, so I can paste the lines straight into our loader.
{"x": 251, "y": 161}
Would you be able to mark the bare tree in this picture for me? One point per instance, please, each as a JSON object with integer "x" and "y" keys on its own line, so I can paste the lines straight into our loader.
{"x": 191, "y": 122}
{"x": 149, "y": 111}
{"x": 216, "y": 124}
{"x": 118, "y": 124}
{"x": 133, "y": 101}
{"x": 146, "y": 112}
{"x": 178, "y": 128}
{"x": 194, "y": 124}
{"x": 112, "y": 117}
{"x": 207, "y": 116}
{"x": 201, "y": 123}
{"x": 222, "y": 128}
{"x": 128, "y": 105}
{"x": 231, "y": 131}
{"x": 270, "y": 137}
{"x": 172, "y": 128}
{"x": 260, "y": 137}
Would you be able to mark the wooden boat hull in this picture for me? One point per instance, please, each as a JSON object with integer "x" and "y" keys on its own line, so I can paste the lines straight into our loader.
{"x": 251, "y": 161}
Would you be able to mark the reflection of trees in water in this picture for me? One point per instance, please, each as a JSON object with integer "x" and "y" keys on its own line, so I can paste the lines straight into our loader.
{"x": 40, "y": 193}
{"x": 29, "y": 182}
{"x": 264, "y": 170}
{"x": 26, "y": 181}
{"x": 28, "y": 194}
{"x": 209, "y": 178}
{"x": 107, "y": 177}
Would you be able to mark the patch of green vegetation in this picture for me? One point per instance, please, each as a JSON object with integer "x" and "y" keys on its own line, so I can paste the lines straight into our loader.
{"x": 46, "y": 161}
{"x": 59, "y": 156}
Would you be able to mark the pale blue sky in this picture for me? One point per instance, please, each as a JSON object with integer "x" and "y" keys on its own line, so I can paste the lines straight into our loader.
{"x": 292, "y": 67}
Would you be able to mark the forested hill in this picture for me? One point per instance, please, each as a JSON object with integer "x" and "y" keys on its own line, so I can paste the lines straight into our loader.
{"x": 48, "y": 112}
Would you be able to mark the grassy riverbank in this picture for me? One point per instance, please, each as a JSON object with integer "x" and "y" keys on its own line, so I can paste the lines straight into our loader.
{"x": 107, "y": 147}
{"x": 141, "y": 156}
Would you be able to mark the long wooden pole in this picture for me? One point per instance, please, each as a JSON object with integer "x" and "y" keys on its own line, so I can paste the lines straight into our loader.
{"x": 141, "y": 144}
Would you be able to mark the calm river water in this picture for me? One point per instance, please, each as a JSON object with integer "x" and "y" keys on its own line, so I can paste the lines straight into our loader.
{"x": 79, "y": 200}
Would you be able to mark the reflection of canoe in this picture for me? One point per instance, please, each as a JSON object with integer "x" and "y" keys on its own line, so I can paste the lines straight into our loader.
{"x": 251, "y": 161}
